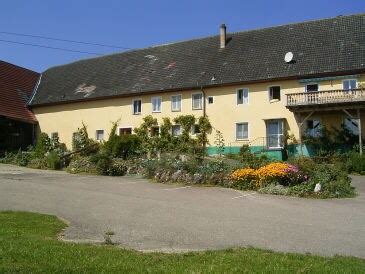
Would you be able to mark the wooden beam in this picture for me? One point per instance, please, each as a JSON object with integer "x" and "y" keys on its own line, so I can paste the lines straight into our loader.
{"x": 306, "y": 118}
{"x": 348, "y": 113}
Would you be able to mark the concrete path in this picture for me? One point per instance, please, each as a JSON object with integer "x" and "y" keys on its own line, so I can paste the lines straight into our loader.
{"x": 149, "y": 216}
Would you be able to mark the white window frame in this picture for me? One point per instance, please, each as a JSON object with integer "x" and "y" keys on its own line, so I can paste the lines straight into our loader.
{"x": 176, "y": 110}
{"x": 201, "y": 101}
{"x": 96, "y": 134}
{"x": 123, "y": 127}
{"x": 313, "y": 83}
{"x": 172, "y": 131}
{"x": 350, "y": 79}
{"x": 243, "y": 98}
{"x": 280, "y": 135}
{"x": 248, "y": 131}
{"x": 134, "y": 100}
{"x": 269, "y": 92}
{"x": 158, "y": 98}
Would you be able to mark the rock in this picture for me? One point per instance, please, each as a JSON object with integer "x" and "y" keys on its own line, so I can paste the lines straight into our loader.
{"x": 317, "y": 188}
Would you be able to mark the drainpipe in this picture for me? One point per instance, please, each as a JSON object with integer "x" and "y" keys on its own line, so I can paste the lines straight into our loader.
{"x": 204, "y": 112}
{"x": 204, "y": 103}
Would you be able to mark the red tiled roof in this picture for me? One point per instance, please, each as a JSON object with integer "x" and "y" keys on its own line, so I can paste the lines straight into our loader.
{"x": 16, "y": 87}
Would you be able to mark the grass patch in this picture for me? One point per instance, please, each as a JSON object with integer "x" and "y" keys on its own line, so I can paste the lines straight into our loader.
{"x": 28, "y": 243}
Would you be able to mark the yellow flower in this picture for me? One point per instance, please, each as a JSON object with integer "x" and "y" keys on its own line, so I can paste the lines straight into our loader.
{"x": 263, "y": 175}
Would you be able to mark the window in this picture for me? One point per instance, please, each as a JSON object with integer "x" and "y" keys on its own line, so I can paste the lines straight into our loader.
{"x": 155, "y": 131}
{"x": 242, "y": 96}
{"x": 137, "y": 106}
{"x": 125, "y": 130}
{"x": 352, "y": 125}
{"x": 274, "y": 93}
{"x": 242, "y": 131}
{"x": 156, "y": 104}
{"x": 176, "y": 103}
{"x": 100, "y": 134}
{"x": 313, "y": 128}
{"x": 274, "y": 131}
{"x": 311, "y": 87}
{"x": 176, "y": 130}
{"x": 210, "y": 100}
{"x": 197, "y": 100}
{"x": 195, "y": 129}
{"x": 54, "y": 135}
{"x": 349, "y": 84}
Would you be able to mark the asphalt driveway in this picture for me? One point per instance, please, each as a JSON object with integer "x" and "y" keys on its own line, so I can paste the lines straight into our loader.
{"x": 149, "y": 216}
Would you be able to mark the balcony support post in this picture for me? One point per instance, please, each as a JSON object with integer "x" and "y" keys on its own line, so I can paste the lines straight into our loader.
{"x": 360, "y": 131}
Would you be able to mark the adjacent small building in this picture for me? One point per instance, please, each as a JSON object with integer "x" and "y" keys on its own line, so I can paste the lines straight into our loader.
{"x": 255, "y": 86}
{"x": 17, "y": 121}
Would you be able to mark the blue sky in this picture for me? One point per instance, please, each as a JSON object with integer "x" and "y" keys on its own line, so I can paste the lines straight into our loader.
{"x": 138, "y": 24}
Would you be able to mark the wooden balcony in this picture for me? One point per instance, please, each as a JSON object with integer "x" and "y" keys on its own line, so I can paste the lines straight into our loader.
{"x": 326, "y": 98}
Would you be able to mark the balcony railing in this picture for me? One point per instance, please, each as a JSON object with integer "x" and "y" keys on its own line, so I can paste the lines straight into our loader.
{"x": 325, "y": 97}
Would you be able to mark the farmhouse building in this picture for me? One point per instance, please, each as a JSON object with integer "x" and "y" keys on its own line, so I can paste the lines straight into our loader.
{"x": 255, "y": 86}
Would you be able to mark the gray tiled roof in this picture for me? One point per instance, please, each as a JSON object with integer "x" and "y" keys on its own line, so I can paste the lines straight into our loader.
{"x": 320, "y": 47}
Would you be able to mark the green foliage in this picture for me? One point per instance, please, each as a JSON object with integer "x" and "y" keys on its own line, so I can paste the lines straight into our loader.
{"x": 355, "y": 163}
{"x": 330, "y": 140}
{"x": 102, "y": 161}
{"x": 219, "y": 142}
{"x": 117, "y": 168}
{"x": 148, "y": 142}
{"x": 38, "y": 163}
{"x": 185, "y": 143}
{"x": 43, "y": 145}
{"x": 306, "y": 164}
{"x": 123, "y": 146}
{"x": 166, "y": 140}
{"x": 21, "y": 158}
{"x": 251, "y": 160}
{"x": 335, "y": 183}
{"x": 82, "y": 165}
{"x": 205, "y": 128}
{"x": 53, "y": 160}
{"x": 82, "y": 143}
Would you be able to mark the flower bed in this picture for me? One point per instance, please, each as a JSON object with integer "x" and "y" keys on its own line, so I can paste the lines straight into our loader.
{"x": 323, "y": 180}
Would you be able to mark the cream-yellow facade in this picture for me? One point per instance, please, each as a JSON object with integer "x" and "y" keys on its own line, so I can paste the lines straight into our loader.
{"x": 224, "y": 113}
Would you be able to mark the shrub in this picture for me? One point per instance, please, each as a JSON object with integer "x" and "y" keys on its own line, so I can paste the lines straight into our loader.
{"x": 102, "y": 161}
{"x": 251, "y": 160}
{"x": 21, "y": 158}
{"x": 43, "y": 145}
{"x": 305, "y": 164}
{"x": 82, "y": 165}
{"x": 82, "y": 143}
{"x": 355, "y": 163}
{"x": 38, "y": 163}
{"x": 124, "y": 146}
{"x": 334, "y": 182}
{"x": 53, "y": 161}
{"x": 117, "y": 168}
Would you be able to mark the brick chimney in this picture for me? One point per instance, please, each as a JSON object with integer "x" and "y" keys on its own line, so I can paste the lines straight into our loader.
{"x": 223, "y": 36}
